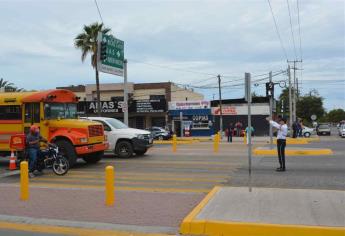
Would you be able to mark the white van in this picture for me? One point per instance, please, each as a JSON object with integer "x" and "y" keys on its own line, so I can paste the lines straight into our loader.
{"x": 124, "y": 141}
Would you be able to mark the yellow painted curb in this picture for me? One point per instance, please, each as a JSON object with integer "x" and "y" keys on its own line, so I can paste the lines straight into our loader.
{"x": 191, "y": 226}
{"x": 178, "y": 142}
{"x": 294, "y": 141}
{"x": 294, "y": 152}
{"x": 187, "y": 225}
{"x": 69, "y": 230}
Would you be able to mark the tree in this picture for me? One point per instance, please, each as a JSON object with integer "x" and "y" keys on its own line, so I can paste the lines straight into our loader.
{"x": 335, "y": 115}
{"x": 4, "y": 84}
{"x": 310, "y": 104}
{"x": 87, "y": 43}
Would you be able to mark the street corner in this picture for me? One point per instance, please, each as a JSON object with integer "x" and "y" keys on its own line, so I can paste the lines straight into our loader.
{"x": 234, "y": 211}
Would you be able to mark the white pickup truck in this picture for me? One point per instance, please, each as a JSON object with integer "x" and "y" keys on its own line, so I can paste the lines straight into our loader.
{"x": 124, "y": 141}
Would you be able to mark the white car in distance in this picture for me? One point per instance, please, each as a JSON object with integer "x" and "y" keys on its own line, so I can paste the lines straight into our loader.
{"x": 124, "y": 141}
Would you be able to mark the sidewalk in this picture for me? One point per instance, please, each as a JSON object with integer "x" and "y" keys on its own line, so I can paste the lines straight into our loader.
{"x": 147, "y": 212}
{"x": 268, "y": 211}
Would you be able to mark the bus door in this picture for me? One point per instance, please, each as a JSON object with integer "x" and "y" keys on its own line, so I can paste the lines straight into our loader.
{"x": 32, "y": 116}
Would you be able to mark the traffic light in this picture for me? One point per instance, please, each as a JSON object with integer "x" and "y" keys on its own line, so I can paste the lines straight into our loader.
{"x": 270, "y": 89}
{"x": 103, "y": 51}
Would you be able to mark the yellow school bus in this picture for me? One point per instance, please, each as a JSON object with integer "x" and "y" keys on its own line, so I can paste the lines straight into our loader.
{"x": 55, "y": 113}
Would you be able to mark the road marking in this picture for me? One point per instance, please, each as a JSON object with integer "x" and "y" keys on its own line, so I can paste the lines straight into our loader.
{"x": 60, "y": 230}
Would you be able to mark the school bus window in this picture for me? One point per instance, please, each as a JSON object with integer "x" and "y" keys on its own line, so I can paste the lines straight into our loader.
{"x": 28, "y": 114}
{"x": 10, "y": 113}
{"x": 60, "y": 111}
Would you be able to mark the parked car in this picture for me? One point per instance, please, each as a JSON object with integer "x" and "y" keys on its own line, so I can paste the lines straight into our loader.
{"x": 323, "y": 129}
{"x": 341, "y": 131}
{"x": 159, "y": 133}
{"x": 307, "y": 132}
{"x": 124, "y": 141}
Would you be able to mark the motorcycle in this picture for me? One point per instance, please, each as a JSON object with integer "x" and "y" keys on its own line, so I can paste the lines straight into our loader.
{"x": 51, "y": 158}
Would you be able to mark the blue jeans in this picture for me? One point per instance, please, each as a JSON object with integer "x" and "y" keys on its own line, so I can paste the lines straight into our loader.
{"x": 33, "y": 155}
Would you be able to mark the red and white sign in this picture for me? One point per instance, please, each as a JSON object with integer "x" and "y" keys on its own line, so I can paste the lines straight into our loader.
{"x": 184, "y": 105}
{"x": 261, "y": 109}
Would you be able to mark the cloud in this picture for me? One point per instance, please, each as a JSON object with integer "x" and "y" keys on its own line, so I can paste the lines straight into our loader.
{"x": 211, "y": 37}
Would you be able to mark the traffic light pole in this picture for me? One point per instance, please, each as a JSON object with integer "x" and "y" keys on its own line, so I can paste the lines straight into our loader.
{"x": 248, "y": 96}
{"x": 271, "y": 114}
{"x": 125, "y": 93}
{"x": 290, "y": 102}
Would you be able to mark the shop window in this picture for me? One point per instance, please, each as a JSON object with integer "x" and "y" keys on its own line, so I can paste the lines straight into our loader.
{"x": 159, "y": 122}
{"x": 10, "y": 113}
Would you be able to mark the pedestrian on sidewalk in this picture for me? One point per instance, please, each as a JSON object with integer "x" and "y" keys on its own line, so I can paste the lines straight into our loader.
{"x": 229, "y": 132}
{"x": 238, "y": 128}
{"x": 281, "y": 140}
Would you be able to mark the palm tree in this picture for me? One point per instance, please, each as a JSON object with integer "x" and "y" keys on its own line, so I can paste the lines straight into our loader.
{"x": 87, "y": 43}
{"x": 4, "y": 84}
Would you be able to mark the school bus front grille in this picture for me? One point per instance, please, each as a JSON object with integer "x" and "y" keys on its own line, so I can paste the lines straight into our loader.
{"x": 95, "y": 130}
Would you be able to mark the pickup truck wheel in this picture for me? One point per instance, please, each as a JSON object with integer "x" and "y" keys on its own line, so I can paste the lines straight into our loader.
{"x": 67, "y": 150}
{"x": 124, "y": 149}
{"x": 307, "y": 134}
{"x": 141, "y": 153}
{"x": 93, "y": 157}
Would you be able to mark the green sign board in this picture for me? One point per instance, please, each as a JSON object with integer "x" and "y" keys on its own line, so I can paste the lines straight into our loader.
{"x": 110, "y": 56}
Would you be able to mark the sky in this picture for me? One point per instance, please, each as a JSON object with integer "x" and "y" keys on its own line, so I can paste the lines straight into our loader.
{"x": 186, "y": 42}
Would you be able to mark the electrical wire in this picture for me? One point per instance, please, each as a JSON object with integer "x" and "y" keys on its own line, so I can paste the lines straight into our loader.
{"x": 277, "y": 31}
{"x": 292, "y": 34}
{"x": 99, "y": 12}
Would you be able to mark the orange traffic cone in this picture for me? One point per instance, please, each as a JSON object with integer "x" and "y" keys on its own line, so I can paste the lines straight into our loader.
{"x": 12, "y": 162}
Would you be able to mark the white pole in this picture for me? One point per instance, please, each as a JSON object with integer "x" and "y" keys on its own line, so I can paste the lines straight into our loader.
{"x": 125, "y": 93}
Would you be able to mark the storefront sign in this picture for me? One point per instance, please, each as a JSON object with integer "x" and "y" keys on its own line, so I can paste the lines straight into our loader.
{"x": 241, "y": 110}
{"x": 148, "y": 106}
{"x": 184, "y": 105}
{"x": 136, "y": 106}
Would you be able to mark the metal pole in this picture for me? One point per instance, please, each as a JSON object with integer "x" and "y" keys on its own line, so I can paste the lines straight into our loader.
{"x": 125, "y": 93}
{"x": 271, "y": 114}
{"x": 294, "y": 91}
{"x": 181, "y": 122}
{"x": 249, "y": 134}
{"x": 290, "y": 101}
{"x": 220, "y": 106}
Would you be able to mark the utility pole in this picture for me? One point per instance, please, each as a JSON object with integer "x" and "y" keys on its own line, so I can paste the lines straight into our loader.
{"x": 220, "y": 106}
{"x": 290, "y": 100}
{"x": 125, "y": 93}
{"x": 294, "y": 90}
{"x": 271, "y": 114}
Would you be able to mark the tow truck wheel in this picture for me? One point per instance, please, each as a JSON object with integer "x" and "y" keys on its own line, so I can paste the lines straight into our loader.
{"x": 93, "y": 157}
{"x": 66, "y": 149}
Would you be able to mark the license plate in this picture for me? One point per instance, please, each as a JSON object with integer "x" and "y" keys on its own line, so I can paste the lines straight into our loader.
{"x": 150, "y": 140}
{"x": 323, "y": 132}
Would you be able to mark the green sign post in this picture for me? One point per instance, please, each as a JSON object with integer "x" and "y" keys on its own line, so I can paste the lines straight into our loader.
{"x": 110, "y": 54}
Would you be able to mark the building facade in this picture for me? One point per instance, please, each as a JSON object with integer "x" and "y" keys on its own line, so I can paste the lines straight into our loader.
{"x": 147, "y": 104}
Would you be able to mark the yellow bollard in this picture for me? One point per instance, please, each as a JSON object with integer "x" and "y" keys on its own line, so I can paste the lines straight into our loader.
{"x": 109, "y": 186}
{"x": 219, "y": 136}
{"x": 245, "y": 138}
{"x": 216, "y": 143}
{"x": 24, "y": 181}
{"x": 174, "y": 143}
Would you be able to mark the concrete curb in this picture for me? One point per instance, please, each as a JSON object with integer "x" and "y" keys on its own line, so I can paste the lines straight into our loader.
{"x": 294, "y": 141}
{"x": 193, "y": 226}
{"x": 293, "y": 152}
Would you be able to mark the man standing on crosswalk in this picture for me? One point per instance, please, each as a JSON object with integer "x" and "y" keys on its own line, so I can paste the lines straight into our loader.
{"x": 282, "y": 131}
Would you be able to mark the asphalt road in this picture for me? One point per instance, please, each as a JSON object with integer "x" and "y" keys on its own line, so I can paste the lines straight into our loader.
{"x": 195, "y": 169}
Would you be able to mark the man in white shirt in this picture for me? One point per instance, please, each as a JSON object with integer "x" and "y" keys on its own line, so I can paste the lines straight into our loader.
{"x": 282, "y": 131}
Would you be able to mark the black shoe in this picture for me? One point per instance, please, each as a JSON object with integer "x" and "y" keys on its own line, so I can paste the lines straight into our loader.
{"x": 283, "y": 169}
{"x": 278, "y": 169}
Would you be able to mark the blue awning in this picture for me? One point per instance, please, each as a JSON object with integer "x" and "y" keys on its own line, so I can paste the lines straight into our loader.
{"x": 190, "y": 112}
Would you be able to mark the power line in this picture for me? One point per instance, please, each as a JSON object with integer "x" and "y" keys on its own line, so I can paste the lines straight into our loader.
{"x": 277, "y": 30}
{"x": 299, "y": 32}
{"x": 292, "y": 34}
{"x": 99, "y": 12}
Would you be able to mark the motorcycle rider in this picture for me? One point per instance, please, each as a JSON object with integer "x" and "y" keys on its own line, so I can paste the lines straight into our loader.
{"x": 33, "y": 140}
